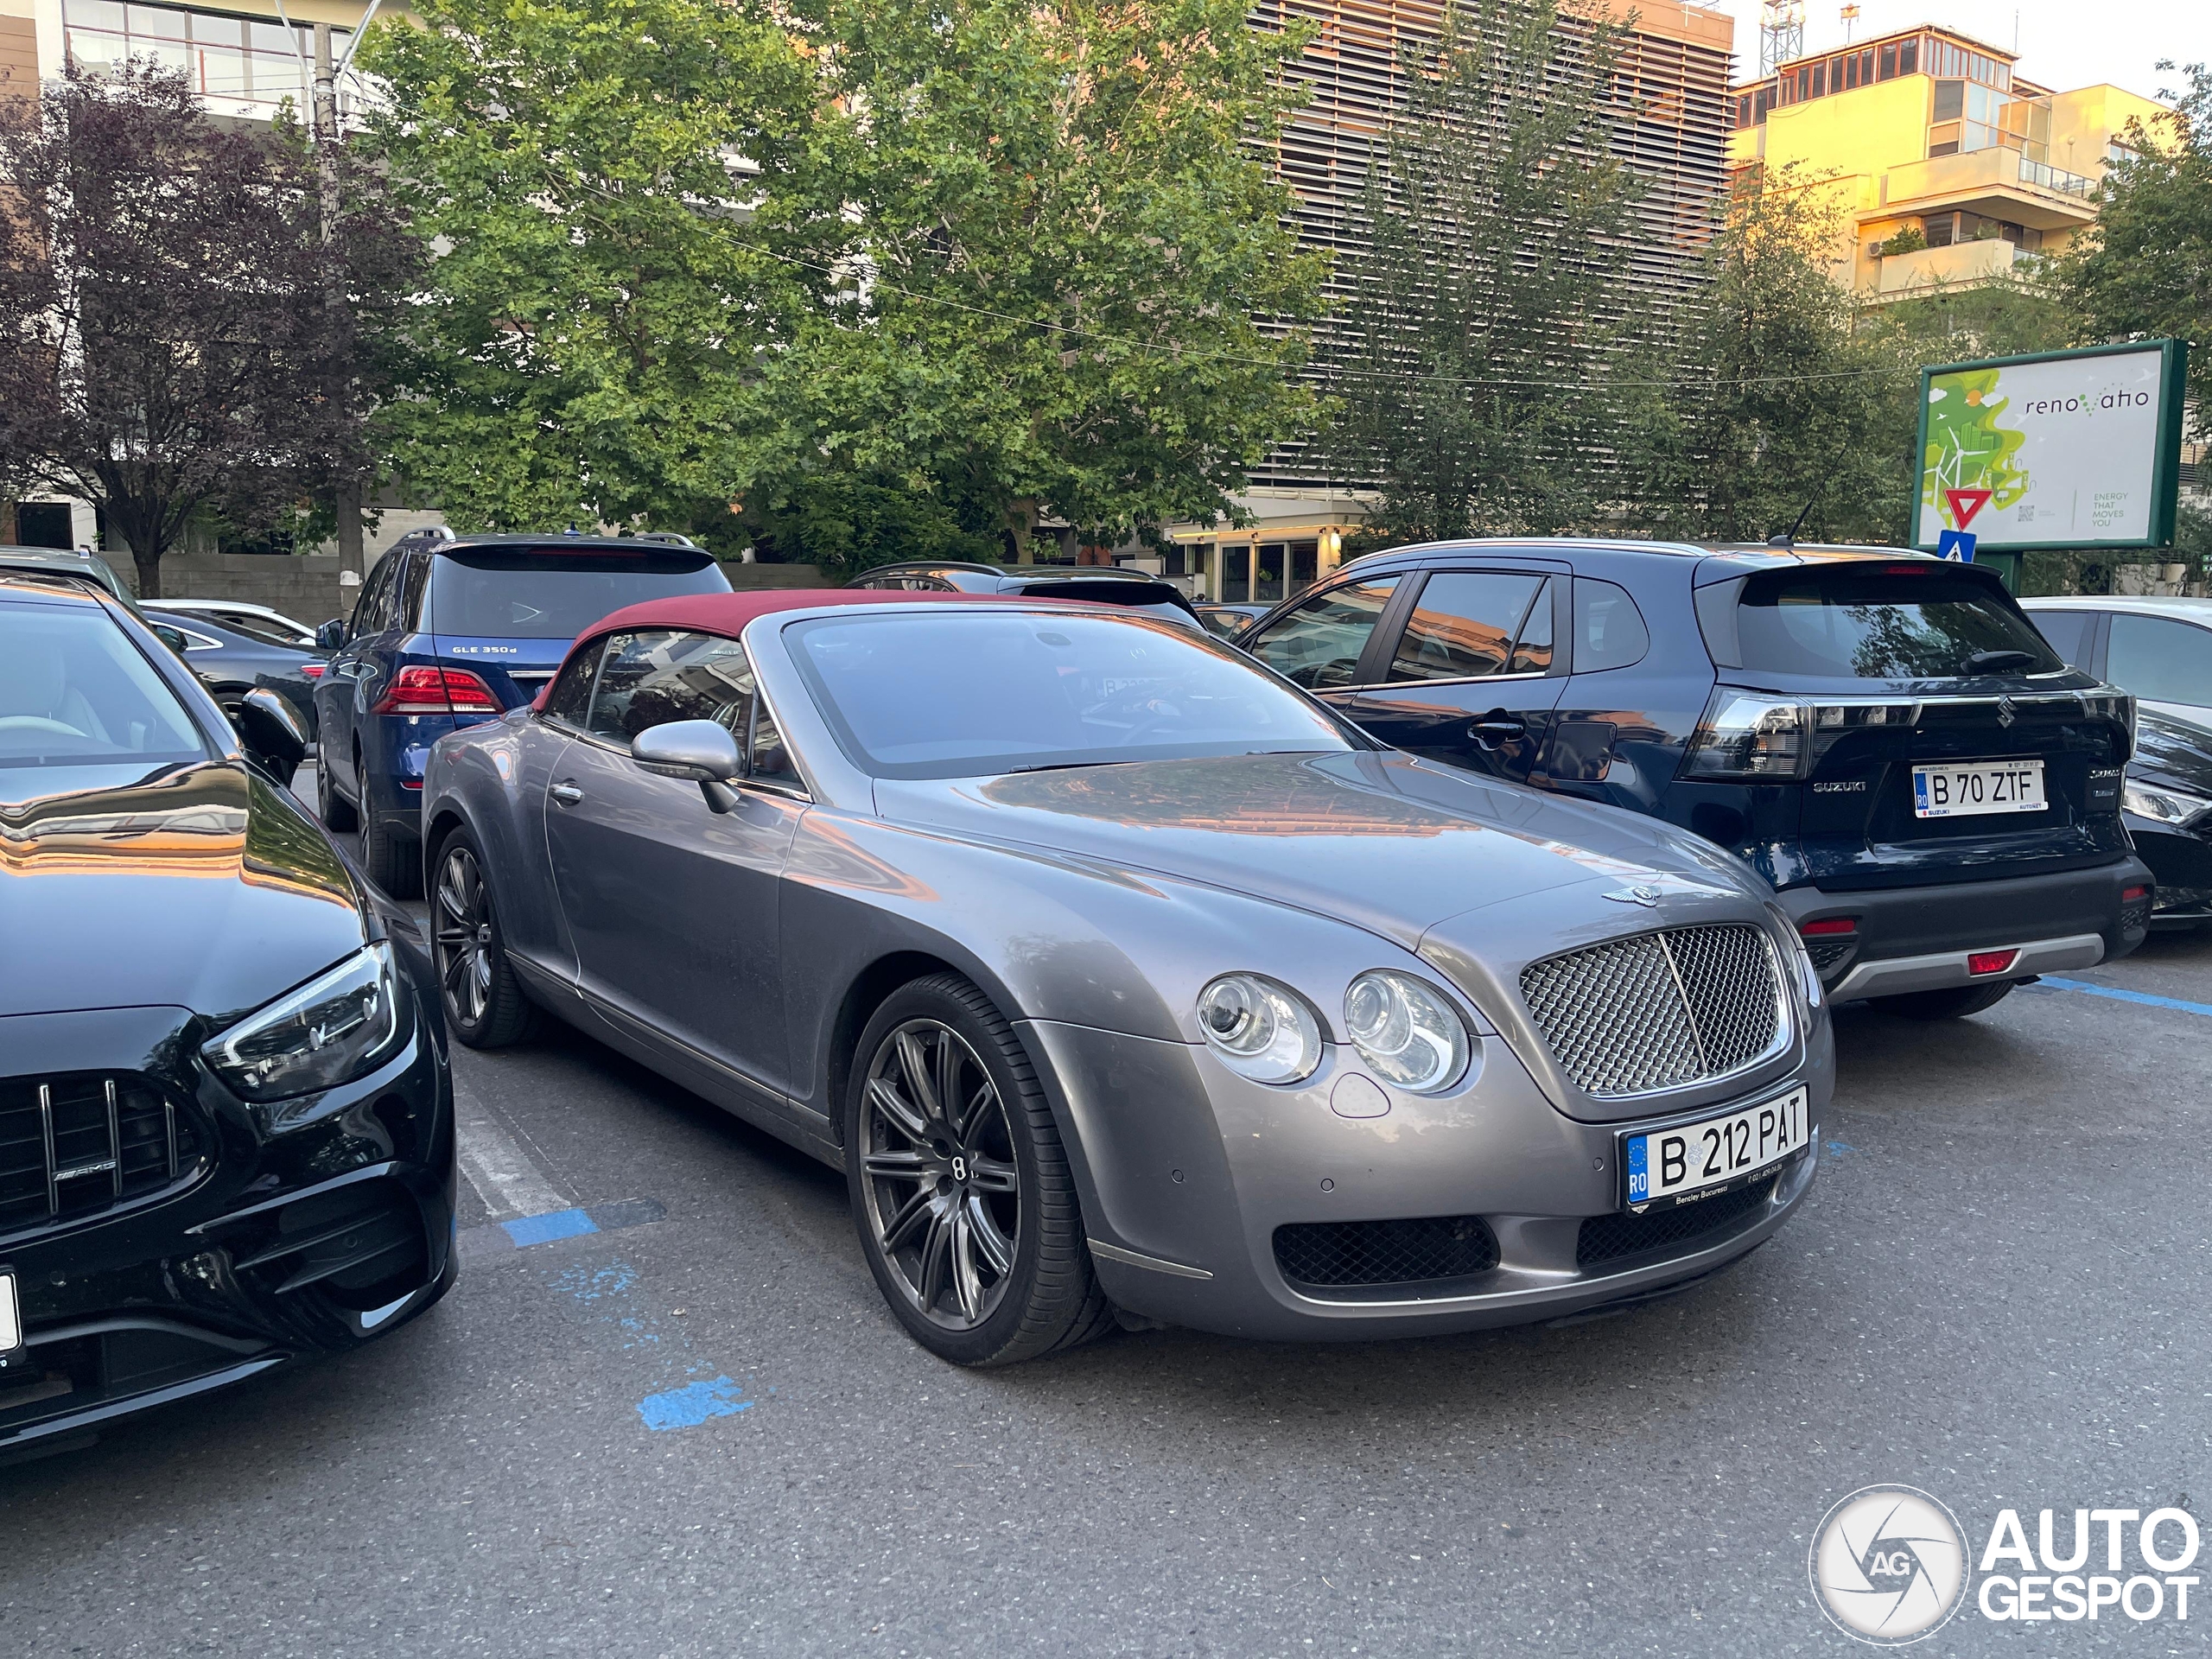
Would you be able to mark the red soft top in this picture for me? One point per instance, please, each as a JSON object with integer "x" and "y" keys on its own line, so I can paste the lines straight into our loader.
{"x": 726, "y": 614}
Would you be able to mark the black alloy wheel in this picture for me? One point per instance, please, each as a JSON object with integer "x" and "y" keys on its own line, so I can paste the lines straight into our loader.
{"x": 960, "y": 1187}
{"x": 484, "y": 1001}
{"x": 1952, "y": 1002}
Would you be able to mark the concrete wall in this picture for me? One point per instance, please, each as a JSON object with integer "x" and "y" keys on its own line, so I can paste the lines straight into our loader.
{"x": 305, "y": 588}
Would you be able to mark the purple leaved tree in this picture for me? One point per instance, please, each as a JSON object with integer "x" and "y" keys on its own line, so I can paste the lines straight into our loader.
{"x": 175, "y": 336}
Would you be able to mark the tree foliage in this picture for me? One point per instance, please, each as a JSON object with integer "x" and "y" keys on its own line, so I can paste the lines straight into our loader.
{"x": 882, "y": 276}
{"x": 1477, "y": 323}
{"x": 167, "y": 342}
{"x": 616, "y": 190}
{"x": 2145, "y": 268}
{"x": 1766, "y": 398}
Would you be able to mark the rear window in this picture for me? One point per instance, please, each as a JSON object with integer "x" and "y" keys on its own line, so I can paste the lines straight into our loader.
{"x": 1884, "y": 623}
{"x": 555, "y": 594}
{"x": 1138, "y": 595}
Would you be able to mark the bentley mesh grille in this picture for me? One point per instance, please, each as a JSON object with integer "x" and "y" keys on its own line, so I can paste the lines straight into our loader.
{"x": 75, "y": 1145}
{"x": 1660, "y": 1010}
{"x": 1339, "y": 1253}
{"x": 1609, "y": 1238}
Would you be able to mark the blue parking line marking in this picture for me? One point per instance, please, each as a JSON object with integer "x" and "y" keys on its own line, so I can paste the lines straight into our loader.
{"x": 691, "y": 1405}
{"x": 2119, "y": 995}
{"x": 543, "y": 1230}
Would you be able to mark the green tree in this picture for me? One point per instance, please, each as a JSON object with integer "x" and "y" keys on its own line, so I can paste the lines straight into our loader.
{"x": 616, "y": 191}
{"x": 1475, "y": 328}
{"x": 1762, "y": 398}
{"x": 2145, "y": 268}
{"x": 1063, "y": 249}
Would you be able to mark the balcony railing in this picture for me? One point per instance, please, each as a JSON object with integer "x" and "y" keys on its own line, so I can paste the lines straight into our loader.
{"x": 2055, "y": 178}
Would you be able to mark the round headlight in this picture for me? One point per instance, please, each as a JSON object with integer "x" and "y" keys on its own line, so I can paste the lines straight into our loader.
{"x": 1405, "y": 1031}
{"x": 1261, "y": 1030}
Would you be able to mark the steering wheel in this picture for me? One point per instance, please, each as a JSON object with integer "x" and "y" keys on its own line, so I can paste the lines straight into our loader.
{"x": 39, "y": 723}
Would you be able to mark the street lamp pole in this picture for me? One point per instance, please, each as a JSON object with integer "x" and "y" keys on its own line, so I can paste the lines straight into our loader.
{"x": 348, "y": 489}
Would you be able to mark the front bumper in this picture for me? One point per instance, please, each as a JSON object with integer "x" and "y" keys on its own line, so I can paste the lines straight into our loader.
{"x": 1187, "y": 1173}
{"x": 300, "y": 1226}
{"x": 2181, "y": 860}
{"x": 1918, "y": 938}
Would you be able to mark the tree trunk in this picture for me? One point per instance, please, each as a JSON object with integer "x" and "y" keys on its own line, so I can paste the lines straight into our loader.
{"x": 149, "y": 574}
{"x": 9, "y": 530}
{"x": 1019, "y": 515}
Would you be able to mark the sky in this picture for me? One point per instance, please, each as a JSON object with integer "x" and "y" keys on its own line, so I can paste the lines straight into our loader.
{"x": 2063, "y": 43}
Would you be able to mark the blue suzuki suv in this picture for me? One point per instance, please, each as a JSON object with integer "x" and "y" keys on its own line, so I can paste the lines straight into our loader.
{"x": 449, "y": 632}
{"x": 1934, "y": 795}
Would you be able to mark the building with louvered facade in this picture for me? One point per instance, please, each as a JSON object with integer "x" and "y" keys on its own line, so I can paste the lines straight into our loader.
{"x": 1673, "y": 90}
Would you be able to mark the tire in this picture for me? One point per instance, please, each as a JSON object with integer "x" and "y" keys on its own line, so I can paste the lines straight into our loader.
{"x": 1954, "y": 1002}
{"x": 485, "y": 1004}
{"x": 971, "y": 1228}
{"x": 335, "y": 811}
{"x": 393, "y": 861}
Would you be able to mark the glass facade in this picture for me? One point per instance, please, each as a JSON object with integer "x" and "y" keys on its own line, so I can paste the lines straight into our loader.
{"x": 1929, "y": 54}
{"x": 235, "y": 63}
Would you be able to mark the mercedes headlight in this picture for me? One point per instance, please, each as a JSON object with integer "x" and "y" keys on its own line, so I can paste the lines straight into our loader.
{"x": 339, "y": 1026}
{"x": 2163, "y": 805}
{"x": 1405, "y": 1031}
{"x": 1260, "y": 1030}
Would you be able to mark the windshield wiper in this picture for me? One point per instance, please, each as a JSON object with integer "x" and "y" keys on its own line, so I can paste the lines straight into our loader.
{"x": 1067, "y": 765}
{"x": 1999, "y": 662}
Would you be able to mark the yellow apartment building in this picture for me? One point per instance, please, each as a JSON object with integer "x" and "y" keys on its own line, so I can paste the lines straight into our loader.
{"x": 1930, "y": 131}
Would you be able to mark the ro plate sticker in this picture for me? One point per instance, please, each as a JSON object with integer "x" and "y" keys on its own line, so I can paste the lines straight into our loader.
{"x": 1639, "y": 1171}
{"x": 1920, "y": 791}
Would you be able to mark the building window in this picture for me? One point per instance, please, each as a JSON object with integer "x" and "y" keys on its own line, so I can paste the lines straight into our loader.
{"x": 1909, "y": 56}
{"x": 1950, "y": 100}
{"x": 1888, "y": 60}
{"x": 1940, "y": 229}
{"x": 229, "y": 60}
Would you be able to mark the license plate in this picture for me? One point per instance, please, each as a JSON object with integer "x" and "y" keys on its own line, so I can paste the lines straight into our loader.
{"x": 1972, "y": 787}
{"x": 1666, "y": 1168}
{"x": 11, "y": 1318}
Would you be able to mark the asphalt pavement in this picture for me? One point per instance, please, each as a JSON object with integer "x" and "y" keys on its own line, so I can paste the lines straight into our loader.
{"x": 682, "y": 1421}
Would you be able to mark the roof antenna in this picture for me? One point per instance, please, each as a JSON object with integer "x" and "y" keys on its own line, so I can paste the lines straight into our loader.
{"x": 1787, "y": 539}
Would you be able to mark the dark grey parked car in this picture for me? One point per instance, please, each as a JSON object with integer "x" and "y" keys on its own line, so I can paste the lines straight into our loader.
{"x": 1115, "y": 971}
{"x": 1094, "y": 584}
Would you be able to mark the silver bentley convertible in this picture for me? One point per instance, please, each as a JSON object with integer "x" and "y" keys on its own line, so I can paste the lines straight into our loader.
{"x": 1122, "y": 978}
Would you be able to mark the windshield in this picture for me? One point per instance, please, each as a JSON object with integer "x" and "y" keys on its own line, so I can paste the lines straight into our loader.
{"x": 1887, "y": 622}
{"x": 551, "y": 594}
{"x": 75, "y": 691}
{"x": 968, "y": 694}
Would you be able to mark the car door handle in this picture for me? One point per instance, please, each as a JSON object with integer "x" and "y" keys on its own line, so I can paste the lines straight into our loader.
{"x": 567, "y": 794}
{"x": 1497, "y": 727}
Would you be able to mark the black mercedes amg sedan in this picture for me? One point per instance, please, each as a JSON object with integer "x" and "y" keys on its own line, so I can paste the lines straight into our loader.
{"x": 226, "y": 1132}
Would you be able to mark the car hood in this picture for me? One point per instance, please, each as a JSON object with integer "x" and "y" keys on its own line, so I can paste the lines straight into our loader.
{"x": 1382, "y": 840}
{"x": 2173, "y": 751}
{"x": 203, "y": 887}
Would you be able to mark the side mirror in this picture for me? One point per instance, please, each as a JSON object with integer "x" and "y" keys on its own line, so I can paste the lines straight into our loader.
{"x": 271, "y": 733}
{"x": 698, "y": 751}
{"x": 169, "y": 636}
{"x": 331, "y": 634}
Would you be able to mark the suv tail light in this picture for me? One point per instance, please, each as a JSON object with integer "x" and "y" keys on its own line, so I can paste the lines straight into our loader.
{"x": 424, "y": 690}
{"x": 1745, "y": 734}
{"x": 1991, "y": 962}
{"x": 1829, "y": 927}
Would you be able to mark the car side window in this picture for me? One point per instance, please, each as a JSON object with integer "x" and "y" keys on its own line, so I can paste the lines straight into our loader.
{"x": 571, "y": 692}
{"x": 407, "y": 592}
{"x": 1318, "y": 643}
{"x": 2066, "y": 630}
{"x": 650, "y": 679}
{"x": 2160, "y": 660}
{"x": 370, "y": 610}
{"x": 768, "y": 760}
{"x": 1608, "y": 631}
{"x": 1464, "y": 626}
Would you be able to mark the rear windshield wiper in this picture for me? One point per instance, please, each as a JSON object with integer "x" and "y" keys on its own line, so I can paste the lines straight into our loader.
{"x": 1067, "y": 765}
{"x": 1999, "y": 662}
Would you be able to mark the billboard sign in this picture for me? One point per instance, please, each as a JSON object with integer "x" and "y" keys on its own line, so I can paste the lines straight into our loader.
{"x": 2065, "y": 450}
